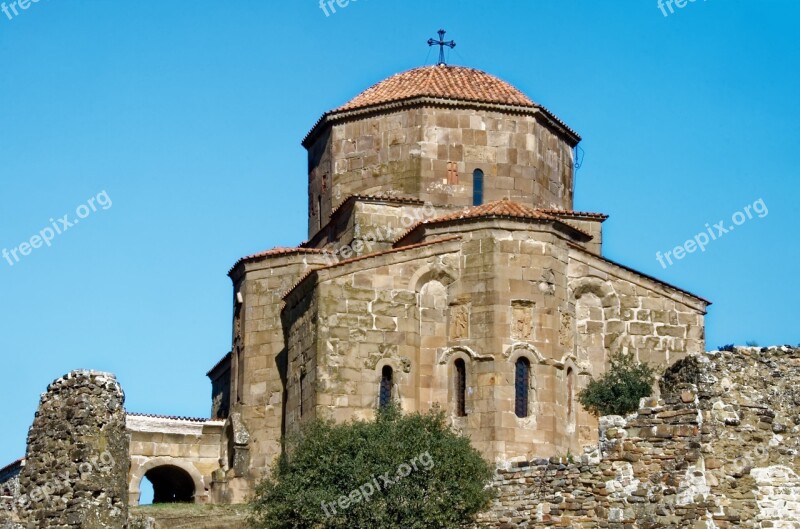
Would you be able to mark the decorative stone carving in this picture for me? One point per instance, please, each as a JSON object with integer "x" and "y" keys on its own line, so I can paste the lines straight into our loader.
{"x": 459, "y": 322}
{"x": 522, "y": 319}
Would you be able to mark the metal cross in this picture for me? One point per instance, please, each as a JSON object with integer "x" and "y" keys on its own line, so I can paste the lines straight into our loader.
{"x": 441, "y": 43}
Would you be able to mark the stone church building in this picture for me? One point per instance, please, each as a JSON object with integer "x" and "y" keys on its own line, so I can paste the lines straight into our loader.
{"x": 445, "y": 266}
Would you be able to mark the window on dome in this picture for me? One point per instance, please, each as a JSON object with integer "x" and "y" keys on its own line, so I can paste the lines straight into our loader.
{"x": 477, "y": 187}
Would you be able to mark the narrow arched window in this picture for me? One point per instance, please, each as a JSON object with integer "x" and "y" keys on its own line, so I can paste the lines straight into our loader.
{"x": 461, "y": 388}
{"x": 302, "y": 396}
{"x": 522, "y": 378}
{"x": 570, "y": 391}
{"x": 477, "y": 187}
{"x": 387, "y": 376}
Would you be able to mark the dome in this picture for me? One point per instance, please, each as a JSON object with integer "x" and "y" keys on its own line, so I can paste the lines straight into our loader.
{"x": 440, "y": 81}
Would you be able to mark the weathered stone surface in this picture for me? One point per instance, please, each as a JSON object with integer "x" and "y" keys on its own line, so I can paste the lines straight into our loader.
{"x": 680, "y": 461}
{"x": 77, "y": 458}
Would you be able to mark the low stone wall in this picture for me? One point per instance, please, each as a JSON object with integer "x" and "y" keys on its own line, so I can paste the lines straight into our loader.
{"x": 719, "y": 451}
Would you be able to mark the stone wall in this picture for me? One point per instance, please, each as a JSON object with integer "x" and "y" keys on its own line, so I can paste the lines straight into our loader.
{"x": 258, "y": 364}
{"x": 430, "y": 152}
{"x": 620, "y": 310}
{"x": 719, "y": 450}
{"x": 488, "y": 293}
{"x": 77, "y": 457}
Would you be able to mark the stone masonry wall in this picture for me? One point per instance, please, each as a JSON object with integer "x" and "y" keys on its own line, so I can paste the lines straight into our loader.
{"x": 9, "y": 492}
{"x": 720, "y": 450}
{"x": 77, "y": 458}
{"x": 431, "y": 153}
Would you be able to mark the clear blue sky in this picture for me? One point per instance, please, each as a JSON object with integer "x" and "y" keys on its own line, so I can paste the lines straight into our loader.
{"x": 189, "y": 115}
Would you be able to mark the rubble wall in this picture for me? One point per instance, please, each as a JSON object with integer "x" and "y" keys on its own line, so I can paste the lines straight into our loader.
{"x": 718, "y": 450}
{"x": 76, "y": 468}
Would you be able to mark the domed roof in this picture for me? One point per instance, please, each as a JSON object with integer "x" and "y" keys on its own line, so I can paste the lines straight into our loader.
{"x": 440, "y": 81}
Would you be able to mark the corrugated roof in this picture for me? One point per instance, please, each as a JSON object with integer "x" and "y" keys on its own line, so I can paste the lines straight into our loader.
{"x": 169, "y": 417}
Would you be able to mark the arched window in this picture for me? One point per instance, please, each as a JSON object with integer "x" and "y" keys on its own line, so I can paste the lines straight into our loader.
{"x": 522, "y": 378}
{"x": 461, "y": 388}
{"x": 570, "y": 390}
{"x": 387, "y": 376}
{"x": 477, "y": 187}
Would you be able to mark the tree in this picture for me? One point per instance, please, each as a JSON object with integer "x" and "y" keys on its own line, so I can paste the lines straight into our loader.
{"x": 620, "y": 389}
{"x": 409, "y": 472}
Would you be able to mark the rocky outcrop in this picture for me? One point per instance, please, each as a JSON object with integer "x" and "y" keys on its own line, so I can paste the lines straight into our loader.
{"x": 77, "y": 457}
{"x": 718, "y": 450}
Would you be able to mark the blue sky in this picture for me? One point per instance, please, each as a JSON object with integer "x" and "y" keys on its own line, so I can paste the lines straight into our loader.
{"x": 189, "y": 116}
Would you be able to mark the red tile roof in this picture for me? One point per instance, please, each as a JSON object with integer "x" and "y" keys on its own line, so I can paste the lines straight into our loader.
{"x": 380, "y": 197}
{"x": 497, "y": 208}
{"x": 277, "y": 252}
{"x": 441, "y": 81}
{"x": 503, "y": 208}
{"x": 576, "y": 214}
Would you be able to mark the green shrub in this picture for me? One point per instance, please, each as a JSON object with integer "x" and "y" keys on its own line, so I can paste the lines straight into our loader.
{"x": 619, "y": 390}
{"x": 335, "y": 477}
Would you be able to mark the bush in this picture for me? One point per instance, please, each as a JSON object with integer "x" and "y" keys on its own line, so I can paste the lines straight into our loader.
{"x": 620, "y": 389}
{"x": 409, "y": 472}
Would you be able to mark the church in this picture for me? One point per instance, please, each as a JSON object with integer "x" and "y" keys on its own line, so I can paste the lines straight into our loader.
{"x": 445, "y": 266}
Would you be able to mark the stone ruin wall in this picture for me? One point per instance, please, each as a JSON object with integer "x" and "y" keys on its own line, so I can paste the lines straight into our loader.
{"x": 9, "y": 492}
{"x": 77, "y": 461}
{"x": 719, "y": 450}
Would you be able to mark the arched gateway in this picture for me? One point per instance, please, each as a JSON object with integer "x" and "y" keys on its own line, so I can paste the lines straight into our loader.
{"x": 176, "y": 454}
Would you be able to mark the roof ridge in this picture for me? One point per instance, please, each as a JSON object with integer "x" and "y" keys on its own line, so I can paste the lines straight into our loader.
{"x": 575, "y": 213}
{"x": 490, "y": 209}
{"x": 170, "y": 417}
{"x": 278, "y": 251}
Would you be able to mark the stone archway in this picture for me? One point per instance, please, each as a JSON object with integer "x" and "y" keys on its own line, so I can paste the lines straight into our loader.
{"x": 173, "y": 481}
{"x": 171, "y": 484}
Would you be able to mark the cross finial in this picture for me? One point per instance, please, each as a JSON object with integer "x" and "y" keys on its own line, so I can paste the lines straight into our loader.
{"x": 441, "y": 43}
